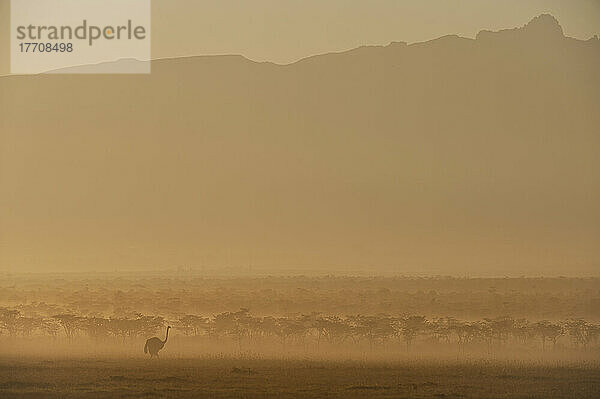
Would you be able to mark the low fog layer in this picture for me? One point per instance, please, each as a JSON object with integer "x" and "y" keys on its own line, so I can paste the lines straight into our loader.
{"x": 541, "y": 320}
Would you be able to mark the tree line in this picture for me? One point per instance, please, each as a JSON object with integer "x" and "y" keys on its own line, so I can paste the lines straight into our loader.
{"x": 244, "y": 328}
{"x": 119, "y": 295}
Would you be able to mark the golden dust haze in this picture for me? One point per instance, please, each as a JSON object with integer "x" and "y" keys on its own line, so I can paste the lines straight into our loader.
{"x": 472, "y": 155}
{"x": 308, "y": 199}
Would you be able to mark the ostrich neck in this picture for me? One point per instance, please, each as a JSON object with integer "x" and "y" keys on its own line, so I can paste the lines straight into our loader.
{"x": 166, "y": 337}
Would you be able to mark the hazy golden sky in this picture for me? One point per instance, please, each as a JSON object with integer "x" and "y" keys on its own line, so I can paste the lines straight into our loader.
{"x": 283, "y": 31}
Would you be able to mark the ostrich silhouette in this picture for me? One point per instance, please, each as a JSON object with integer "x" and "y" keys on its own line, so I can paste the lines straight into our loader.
{"x": 154, "y": 344}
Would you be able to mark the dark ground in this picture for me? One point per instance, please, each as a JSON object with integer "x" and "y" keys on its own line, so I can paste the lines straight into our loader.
{"x": 234, "y": 378}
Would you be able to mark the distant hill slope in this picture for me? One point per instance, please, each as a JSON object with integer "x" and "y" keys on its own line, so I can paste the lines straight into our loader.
{"x": 450, "y": 156}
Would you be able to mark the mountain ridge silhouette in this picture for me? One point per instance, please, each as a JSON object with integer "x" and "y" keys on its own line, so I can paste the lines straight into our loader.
{"x": 460, "y": 155}
{"x": 542, "y": 25}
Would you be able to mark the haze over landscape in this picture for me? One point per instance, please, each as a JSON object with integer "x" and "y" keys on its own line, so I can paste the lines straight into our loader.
{"x": 333, "y": 212}
{"x": 454, "y": 156}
